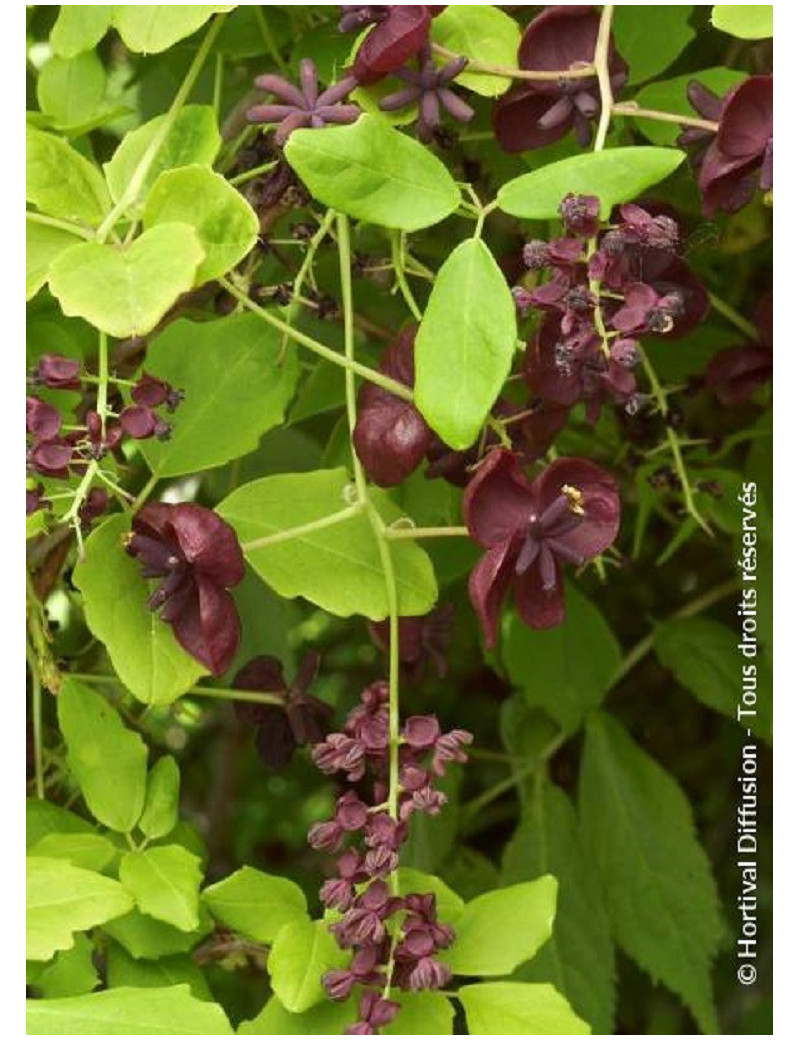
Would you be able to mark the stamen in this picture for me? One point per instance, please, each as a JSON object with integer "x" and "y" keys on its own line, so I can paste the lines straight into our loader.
{"x": 575, "y": 497}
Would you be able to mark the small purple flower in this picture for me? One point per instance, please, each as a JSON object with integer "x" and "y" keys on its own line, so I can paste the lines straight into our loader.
{"x": 581, "y": 215}
{"x": 734, "y": 374}
{"x": 57, "y": 372}
{"x": 428, "y": 86}
{"x": 41, "y": 419}
{"x": 34, "y": 499}
{"x": 304, "y": 106}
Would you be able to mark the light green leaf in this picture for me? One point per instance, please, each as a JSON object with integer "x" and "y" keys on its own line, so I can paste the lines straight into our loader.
{"x": 747, "y": 21}
{"x": 145, "y": 937}
{"x": 42, "y": 246}
{"x": 465, "y": 344}
{"x": 142, "y": 648}
{"x": 421, "y": 1014}
{"x": 578, "y": 959}
{"x": 61, "y": 182}
{"x": 226, "y": 224}
{"x": 126, "y": 290}
{"x": 192, "y": 139}
{"x": 108, "y": 760}
{"x": 255, "y": 904}
{"x": 165, "y": 882}
{"x": 71, "y": 973}
{"x": 482, "y": 33}
{"x": 71, "y": 90}
{"x": 614, "y": 175}
{"x": 449, "y": 905}
{"x": 152, "y": 28}
{"x": 168, "y": 1011}
{"x": 329, "y": 1018}
{"x": 375, "y": 173}
{"x": 90, "y": 851}
{"x": 237, "y": 384}
{"x": 658, "y": 884}
{"x": 62, "y": 899}
{"x": 42, "y": 818}
{"x": 575, "y": 661}
{"x": 501, "y": 929}
{"x": 124, "y": 970}
{"x": 650, "y": 37}
{"x": 302, "y": 952}
{"x": 669, "y": 95}
{"x": 337, "y": 567}
{"x": 78, "y": 28}
{"x": 519, "y": 1009}
{"x": 160, "y": 813}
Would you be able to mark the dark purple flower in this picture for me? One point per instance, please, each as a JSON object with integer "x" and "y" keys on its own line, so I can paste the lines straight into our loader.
{"x": 581, "y": 215}
{"x": 375, "y": 1012}
{"x": 34, "y": 499}
{"x": 51, "y": 458}
{"x": 399, "y": 32}
{"x": 41, "y": 419}
{"x": 736, "y": 373}
{"x": 138, "y": 421}
{"x": 93, "y": 506}
{"x": 739, "y": 158}
{"x": 568, "y": 514}
{"x": 421, "y": 731}
{"x": 152, "y": 392}
{"x": 304, "y": 106}
{"x": 421, "y": 640}
{"x": 644, "y": 311}
{"x": 339, "y": 752}
{"x": 536, "y": 113}
{"x": 57, "y": 372}
{"x": 198, "y": 556}
{"x": 655, "y": 231}
{"x": 428, "y": 87}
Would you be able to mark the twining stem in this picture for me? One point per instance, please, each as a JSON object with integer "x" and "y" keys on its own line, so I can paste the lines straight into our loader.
{"x": 61, "y": 225}
{"x": 487, "y": 797}
{"x": 410, "y": 531}
{"x": 603, "y": 75}
{"x": 301, "y": 529}
{"x": 134, "y": 185}
{"x": 144, "y": 494}
{"x": 314, "y": 243}
{"x": 630, "y": 108}
{"x": 349, "y": 364}
{"x": 506, "y": 72}
{"x": 249, "y": 175}
{"x": 399, "y": 265}
{"x": 102, "y": 381}
{"x": 742, "y": 324}
{"x": 36, "y": 712}
{"x": 221, "y": 693}
{"x": 269, "y": 39}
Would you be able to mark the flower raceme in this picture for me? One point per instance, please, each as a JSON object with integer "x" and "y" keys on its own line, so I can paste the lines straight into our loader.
{"x": 198, "y": 558}
{"x": 568, "y": 514}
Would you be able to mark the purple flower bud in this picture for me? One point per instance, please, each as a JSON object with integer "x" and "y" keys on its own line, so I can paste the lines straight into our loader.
{"x": 51, "y": 458}
{"x": 340, "y": 752}
{"x": 34, "y": 499}
{"x": 429, "y": 800}
{"x": 151, "y": 392}
{"x": 327, "y": 835}
{"x": 351, "y": 812}
{"x": 421, "y": 731}
{"x": 581, "y": 214}
{"x": 337, "y": 893}
{"x": 382, "y": 830}
{"x": 138, "y": 422}
{"x": 536, "y": 255}
{"x": 449, "y": 748}
{"x": 413, "y": 777}
{"x": 429, "y": 974}
{"x": 339, "y": 983}
{"x": 57, "y": 372}
{"x": 41, "y": 419}
{"x": 380, "y": 861}
{"x": 93, "y": 505}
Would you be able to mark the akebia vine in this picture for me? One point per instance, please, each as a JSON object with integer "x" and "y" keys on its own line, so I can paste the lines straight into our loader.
{"x": 421, "y": 351}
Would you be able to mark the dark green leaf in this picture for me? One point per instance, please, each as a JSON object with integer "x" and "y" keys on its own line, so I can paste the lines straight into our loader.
{"x": 650, "y": 37}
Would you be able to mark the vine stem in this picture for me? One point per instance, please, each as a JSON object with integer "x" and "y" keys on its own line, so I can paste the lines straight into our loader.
{"x": 399, "y": 265}
{"x": 630, "y": 108}
{"x": 249, "y": 175}
{"x": 393, "y": 533}
{"x": 301, "y": 529}
{"x": 736, "y": 319}
{"x": 220, "y": 692}
{"x": 314, "y": 243}
{"x": 506, "y": 72}
{"x": 603, "y": 76}
{"x": 349, "y": 364}
{"x": 134, "y": 185}
{"x": 36, "y": 712}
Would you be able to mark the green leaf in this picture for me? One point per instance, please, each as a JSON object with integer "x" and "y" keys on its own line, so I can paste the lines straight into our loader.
{"x": 192, "y": 139}
{"x": 90, "y": 851}
{"x": 326, "y": 1019}
{"x": 226, "y": 224}
{"x": 62, "y": 899}
{"x": 124, "y": 970}
{"x": 108, "y": 760}
{"x": 71, "y": 90}
{"x": 42, "y": 246}
{"x": 302, "y": 951}
{"x": 465, "y": 344}
{"x": 501, "y": 929}
{"x": 575, "y": 661}
{"x": 150, "y": 29}
{"x": 165, "y": 882}
{"x": 421, "y": 1014}
{"x": 71, "y": 973}
{"x": 237, "y": 384}
{"x": 338, "y": 567}
{"x": 449, "y": 905}
{"x": 650, "y": 37}
{"x": 614, "y": 175}
{"x": 126, "y": 290}
{"x": 79, "y": 27}
{"x": 658, "y": 884}
{"x": 702, "y": 654}
{"x": 144, "y": 936}
{"x": 160, "y": 813}
{"x": 142, "y": 648}
{"x": 255, "y": 904}
{"x": 167, "y": 1011}
{"x": 579, "y": 957}
{"x": 483, "y": 33}
{"x": 669, "y": 95}
{"x": 60, "y": 182}
{"x": 747, "y": 21}
{"x": 519, "y": 1009}
{"x": 375, "y": 173}
{"x": 42, "y": 818}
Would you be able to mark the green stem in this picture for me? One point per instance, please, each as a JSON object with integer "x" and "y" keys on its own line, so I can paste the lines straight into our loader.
{"x": 391, "y": 385}
{"x": 488, "y": 796}
{"x": 742, "y": 324}
{"x": 61, "y": 225}
{"x": 102, "y": 380}
{"x": 269, "y": 39}
{"x": 398, "y": 262}
{"x": 144, "y": 494}
{"x": 507, "y": 72}
{"x": 134, "y": 185}
{"x": 630, "y": 108}
{"x": 603, "y": 76}
{"x": 36, "y": 711}
{"x": 249, "y": 175}
{"x": 298, "y": 532}
{"x": 221, "y": 693}
{"x": 655, "y": 383}
{"x": 393, "y": 533}
{"x": 683, "y": 477}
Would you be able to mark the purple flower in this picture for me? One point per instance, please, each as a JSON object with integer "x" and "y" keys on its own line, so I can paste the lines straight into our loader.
{"x": 536, "y": 113}
{"x": 644, "y": 311}
{"x": 57, "y": 372}
{"x": 93, "y": 506}
{"x": 581, "y": 215}
{"x": 34, "y": 499}
{"x": 51, "y": 458}
{"x": 421, "y": 640}
{"x": 152, "y": 392}
{"x": 399, "y": 32}
{"x": 568, "y": 514}
{"x": 428, "y": 86}
{"x": 736, "y": 373}
{"x": 304, "y": 106}
{"x": 198, "y": 558}
{"x": 41, "y": 419}
{"x": 280, "y": 728}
